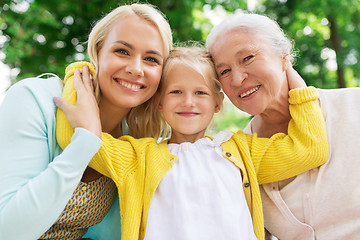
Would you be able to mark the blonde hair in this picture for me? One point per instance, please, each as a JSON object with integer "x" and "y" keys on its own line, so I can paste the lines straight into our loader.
{"x": 198, "y": 58}
{"x": 139, "y": 118}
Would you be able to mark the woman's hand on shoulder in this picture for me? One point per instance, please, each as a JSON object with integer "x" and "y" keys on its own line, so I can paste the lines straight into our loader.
{"x": 293, "y": 78}
{"x": 85, "y": 113}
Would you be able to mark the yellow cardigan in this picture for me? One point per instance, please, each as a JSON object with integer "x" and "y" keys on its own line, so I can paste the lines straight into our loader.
{"x": 138, "y": 165}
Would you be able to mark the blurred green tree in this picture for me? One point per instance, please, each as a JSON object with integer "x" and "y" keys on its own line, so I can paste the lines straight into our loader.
{"x": 39, "y": 36}
{"x": 326, "y": 38}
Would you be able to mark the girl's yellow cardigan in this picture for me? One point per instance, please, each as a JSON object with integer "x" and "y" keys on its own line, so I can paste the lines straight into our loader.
{"x": 138, "y": 165}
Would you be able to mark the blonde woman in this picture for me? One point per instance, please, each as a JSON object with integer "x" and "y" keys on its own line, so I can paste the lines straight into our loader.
{"x": 50, "y": 193}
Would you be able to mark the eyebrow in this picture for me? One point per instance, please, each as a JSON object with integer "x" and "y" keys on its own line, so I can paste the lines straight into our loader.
{"x": 132, "y": 47}
{"x": 240, "y": 52}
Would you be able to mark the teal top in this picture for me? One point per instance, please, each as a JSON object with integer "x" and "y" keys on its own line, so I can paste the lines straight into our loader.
{"x": 37, "y": 178}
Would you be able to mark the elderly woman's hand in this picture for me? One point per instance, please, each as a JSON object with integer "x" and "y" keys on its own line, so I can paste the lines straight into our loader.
{"x": 85, "y": 113}
{"x": 293, "y": 78}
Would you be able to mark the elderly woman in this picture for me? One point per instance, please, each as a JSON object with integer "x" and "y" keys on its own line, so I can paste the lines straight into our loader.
{"x": 251, "y": 52}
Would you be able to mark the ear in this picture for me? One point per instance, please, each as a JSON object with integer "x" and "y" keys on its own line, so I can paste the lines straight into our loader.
{"x": 285, "y": 62}
{"x": 219, "y": 104}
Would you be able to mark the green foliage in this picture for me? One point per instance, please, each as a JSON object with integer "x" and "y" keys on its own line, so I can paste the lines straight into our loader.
{"x": 329, "y": 27}
{"x": 233, "y": 120}
{"x": 229, "y": 118}
{"x": 49, "y": 34}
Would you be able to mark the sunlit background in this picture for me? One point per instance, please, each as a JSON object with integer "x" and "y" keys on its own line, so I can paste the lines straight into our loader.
{"x": 38, "y": 36}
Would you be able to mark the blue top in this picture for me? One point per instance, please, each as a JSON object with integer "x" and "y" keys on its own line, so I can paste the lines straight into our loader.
{"x": 37, "y": 178}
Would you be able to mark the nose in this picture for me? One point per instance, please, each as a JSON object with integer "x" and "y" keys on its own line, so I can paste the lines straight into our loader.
{"x": 188, "y": 100}
{"x": 135, "y": 67}
{"x": 238, "y": 77}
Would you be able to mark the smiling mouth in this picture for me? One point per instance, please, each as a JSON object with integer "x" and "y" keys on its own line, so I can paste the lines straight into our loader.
{"x": 249, "y": 92}
{"x": 129, "y": 85}
{"x": 188, "y": 114}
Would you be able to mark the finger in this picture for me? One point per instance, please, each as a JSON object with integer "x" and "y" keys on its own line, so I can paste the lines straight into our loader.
{"x": 78, "y": 83}
{"x": 86, "y": 79}
{"x": 294, "y": 78}
{"x": 63, "y": 104}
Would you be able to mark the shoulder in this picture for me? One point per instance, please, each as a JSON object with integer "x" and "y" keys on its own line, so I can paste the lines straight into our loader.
{"x": 39, "y": 88}
{"x": 339, "y": 92}
{"x": 236, "y": 139}
{"x": 339, "y": 96}
{"x": 39, "y": 85}
{"x": 338, "y": 101}
{"x": 33, "y": 94}
{"x": 138, "y": 141}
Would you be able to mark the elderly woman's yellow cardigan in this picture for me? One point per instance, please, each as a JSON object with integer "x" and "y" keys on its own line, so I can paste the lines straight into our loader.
{"x": 138, "y": 165}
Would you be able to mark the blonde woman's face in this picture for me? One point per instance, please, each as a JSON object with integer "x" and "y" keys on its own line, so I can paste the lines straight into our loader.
{"x": 130, "y": 63}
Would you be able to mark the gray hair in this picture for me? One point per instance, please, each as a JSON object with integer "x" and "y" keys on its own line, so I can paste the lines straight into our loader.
{"x": 263, "y": 26}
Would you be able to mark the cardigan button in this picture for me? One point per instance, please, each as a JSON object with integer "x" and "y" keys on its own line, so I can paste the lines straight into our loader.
{"x": 246, "y": 184}
{"x": 228, "y": 154}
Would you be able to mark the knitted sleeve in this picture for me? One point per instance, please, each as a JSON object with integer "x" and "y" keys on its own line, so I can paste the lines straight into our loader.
{"x": 64, "y": 130}
{"x": 115, "y": 155}
{"x": 305, "y": 147}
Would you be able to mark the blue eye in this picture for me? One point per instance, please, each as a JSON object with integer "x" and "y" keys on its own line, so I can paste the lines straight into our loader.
{"x": 176, "y": 92}
{"x": 200, "y": 93}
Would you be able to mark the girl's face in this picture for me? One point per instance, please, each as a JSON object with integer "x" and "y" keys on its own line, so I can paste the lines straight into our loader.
{"x": 187, "y": 103}
{"x": 130, "y": 63}
{"x": 251, "y": 73}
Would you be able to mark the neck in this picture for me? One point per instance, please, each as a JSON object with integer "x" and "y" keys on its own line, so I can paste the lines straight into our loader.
{"x": 274, "y": 119}
{"x": 111, "y": 118}
{"x": 181, "y": 138}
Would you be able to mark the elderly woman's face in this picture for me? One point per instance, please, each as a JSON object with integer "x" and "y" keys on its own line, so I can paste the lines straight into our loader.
{"x": 250, "y": 71}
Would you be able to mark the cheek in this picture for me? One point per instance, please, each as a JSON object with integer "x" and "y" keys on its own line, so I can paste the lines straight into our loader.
{"x": 225, "y": 85}
{"x": 229, "y": 92}
{"x": 102, "y": 75}
{"x": 155, "y": 75}
{"x": 278, "y": 80}
{"x": 104, "y": 66}
{"x": 153, "y": 79}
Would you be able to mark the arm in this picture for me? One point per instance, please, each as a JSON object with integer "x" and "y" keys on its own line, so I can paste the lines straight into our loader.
{"x": 79, "y": 109}
{"x": 36, "y": 178}
{"x": 305, "y": 147}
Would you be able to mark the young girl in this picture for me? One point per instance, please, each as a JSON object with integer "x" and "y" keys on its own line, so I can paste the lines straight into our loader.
{"x": 188, "y": 187}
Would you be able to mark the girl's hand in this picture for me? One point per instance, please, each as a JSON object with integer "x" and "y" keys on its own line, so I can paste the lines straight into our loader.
{"x": 85, "y": 113}
{"x": 293, "y": 78}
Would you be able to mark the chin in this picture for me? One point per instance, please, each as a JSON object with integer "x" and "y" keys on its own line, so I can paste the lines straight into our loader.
{"x": 252, "y": 111}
